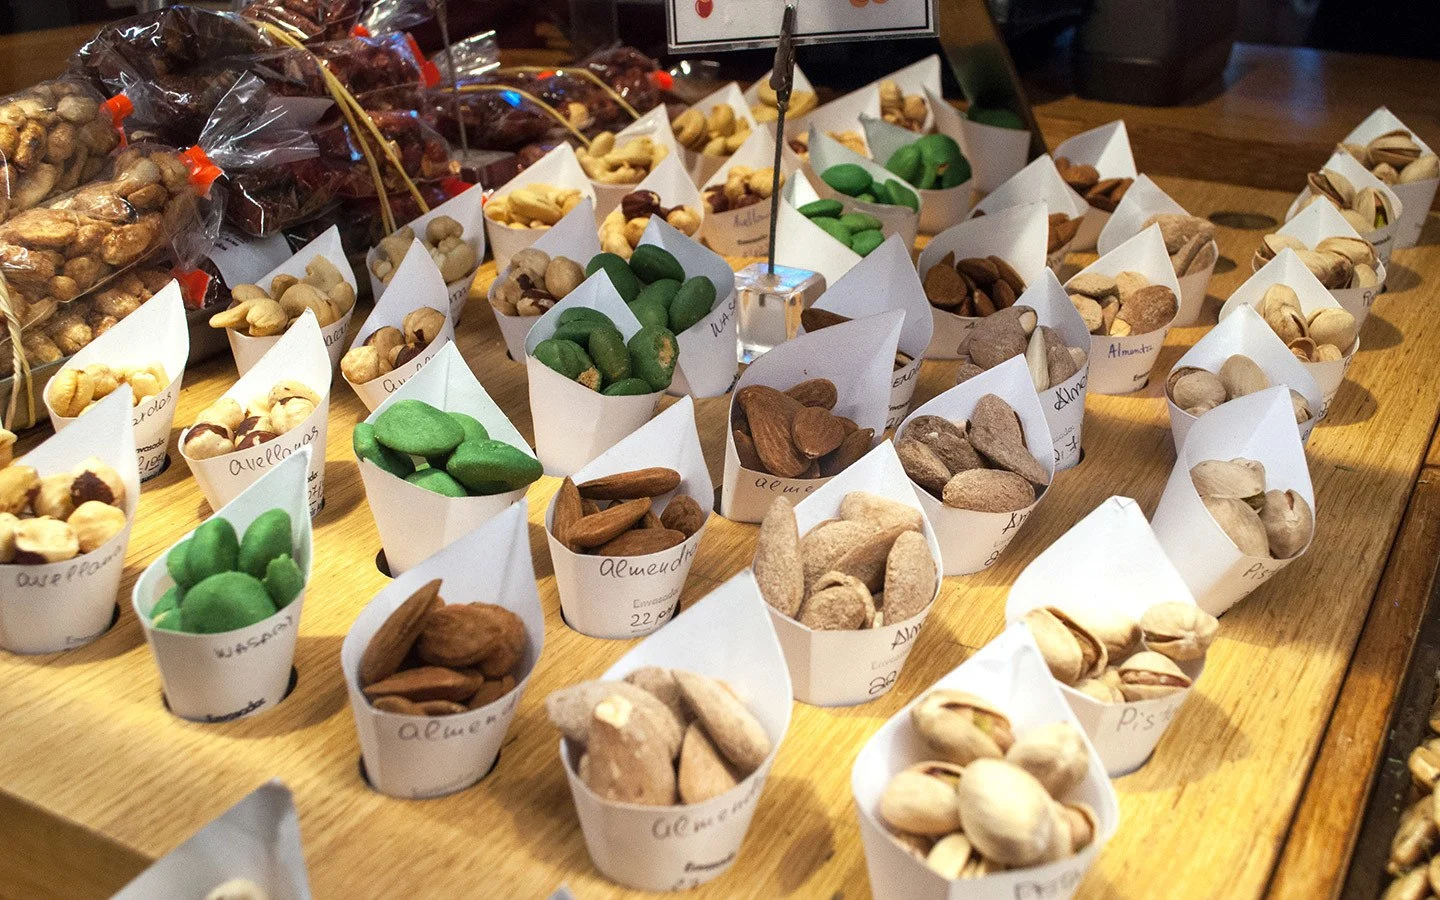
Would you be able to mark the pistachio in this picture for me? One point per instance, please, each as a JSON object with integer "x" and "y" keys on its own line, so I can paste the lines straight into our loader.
{"x": 1235, "y": 479}
{"x": 1181, "y": 631}
{"x": 1071, "y": 652}
{"x": 1192, "y": 388}
{"x": 1149, "y": 676}
{"x": 1301, "y": 407}
{"x": 1241, "y": 376}
{"x": 922, "y": 800}
{"x": 1241, "y": 524}
{"x": 951, "y": 856}
{"x": 1101, "y": 690}
{"x": 1007, "y": 813}
{"x": 1288, "y": 523}
{"x": 1083, "y": 823}
{"x": 1332, "y": 325}
{"x": 1415, "y": 837}
{"x": 1117, "y": 631}
{"x": 1424, "y": 764}
{"x": 1055, "y": 754}
{"x": 961, "y": 727}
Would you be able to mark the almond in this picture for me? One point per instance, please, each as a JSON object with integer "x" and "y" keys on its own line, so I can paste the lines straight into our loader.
{"x": 641, "y": 542}
{"x": 627, "y": 763}
{"x": 819, "y": 392}
{"x": 909, "y": 577}
{"x": 745, "y": 452}
{"x": 703, "y": 772}
{"x": 734, "y": 729}
{"x": 814, "y": 319}
{"x": 989, "y": 490}
{"x": 815, "y": 431}
{"x": 922, "y": 464}
{"x": 995, "y": 431}
{"x": 880, "y": 511}
{"x": 826, "y": 543}
{"x": 844, "y": 605}
{"x": 458, "y": 635}
{"x": 684, "y": 514}
{"x": 425, "y": 683}
{"x": 947, "y": 439}
{"x": 866, "y": 561}
{"x": 608, "y": 524}
{"x": 568, "y": 511}
{"x": 661, "y": 683}
{"x": 570, "y": 710}
{"x": 397, "y": 634}
{"x": 778, "y": 568}
{"x": 770, "y": 414}
{"x": 651, "y": 482}
{"x": 856, "y": 444}
{"x": 491, "y": 691}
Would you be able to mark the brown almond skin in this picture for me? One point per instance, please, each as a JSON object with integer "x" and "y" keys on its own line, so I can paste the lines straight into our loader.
{"x": 651, "y": 482}
{"x": 816, "y": 432}
{"x": 778, "y": 568}
{"x": 608, "y": 524}
{"x": 641, "y": 542}
{"x": 770, "y": 414}
{"x": 397, "y": 634}
{"x": 855, "y": 445}
{"x": 425, "y": 683}
{"x": 568, "y": 511}
{"x": 703, "y": 772}
{"x": 491, "y": 691}
{"x": 684, "y": 514}
{"x": 745, "y": 452}
{"x": 456, "y": 635}
{"x": 819, "y": 392}
{"x": 815, "y": 319}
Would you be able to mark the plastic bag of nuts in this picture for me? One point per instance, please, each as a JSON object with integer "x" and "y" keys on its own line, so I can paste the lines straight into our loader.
{"x": 53, "y": 137}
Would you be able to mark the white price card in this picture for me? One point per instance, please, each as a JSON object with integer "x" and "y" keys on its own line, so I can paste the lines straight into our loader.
{"x": 735, "y": 24}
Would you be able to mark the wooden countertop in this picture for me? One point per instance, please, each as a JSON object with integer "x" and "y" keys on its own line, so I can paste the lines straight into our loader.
{"x": 102, "y": 779}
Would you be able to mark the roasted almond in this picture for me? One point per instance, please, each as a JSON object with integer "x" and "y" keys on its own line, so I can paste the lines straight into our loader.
{"x": 770, "y": 414}
{"x": 397, "y": 634}
{"x": 684, "y": 514}
{"x": 425, "y": 683}
{"x": 703, "y": 773}
{"x": 641, "y": 541}
{"x": 491, "y": 691}
{"x": 909, "y": 577}
{"x": 779, "y": 571}
{"x": 855, "y": 445}
{"x": 633, "y": 485}
{"x": 461, "y": 634}
{"x": 819, "y": 392}
{"x": 824, "y": 545}
{"x": 608, "y": 524}
{"x": 568, "y": 511}
{"x": 866, "y": 561}
{"x": 814, "y": 319}
{"x": 745, "y": 451}
{"x": 815, "y": 431}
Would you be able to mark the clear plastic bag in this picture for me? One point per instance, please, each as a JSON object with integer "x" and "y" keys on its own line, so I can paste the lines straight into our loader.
{"x": 307, "y": 20}
{"x": 53, "y": 137}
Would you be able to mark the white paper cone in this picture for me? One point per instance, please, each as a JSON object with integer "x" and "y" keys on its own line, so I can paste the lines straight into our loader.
{"x": 155, "y": 333}
{"x": 846, "y": 668}
{"x": 1312, "y": 225}
{"x": 1009, "y": 672}
{"x": 60, "y": 606}
{"x": 417, "y": 757}
{"x": 574, "y": 424}
{"x": 415, "y": 523}
{"x": 558, "y": 168}
{"x": 1417, "y": 195}
{"x": 1360, "y": 177}
{"x": 882, "y": 281}
{"x": 573, "y": 237}
{"x": 969, "y": 540}
{"x": 467, "y": 208}
{"x": 298, "y": 355}
{"x": 995, "y": 153}
{"x": 629, "y": 596}
{"x": 725, "y": 635}
{"x": 801, "y": 244}
{"x": 940, "y": 208}
{"x": 1107, "y": 148}
{"x": 826, "y": 152}
{"x": 1064, "y": 403}
{"x": 257, "y": 839}
{"x": 1121, "y": 365}
{"x": 417, "y": 284}
{"x": 744, "y": 231}
{"x": 700, "y": 166}
{"x": 708, "y": 360}
{"x": 798, "y": 82}
{"x": 1143, "y": 200}
{"x": 1109, "y": 562}
{"x": 656, "y": 125}
{"x": 248, "y": 350}
{"x": 670, "y": 180}
{"x": 1259, "y": 426}
{"x": 1039, "y": 181}
{"x": 843, "y": 113}
{"x": 1017, "y": 234}
{"x": 235, "y": 674}
{"x": 1287, "y": 269}
{"x": 1245, "y": 333}
{"x": 858, "y": 356}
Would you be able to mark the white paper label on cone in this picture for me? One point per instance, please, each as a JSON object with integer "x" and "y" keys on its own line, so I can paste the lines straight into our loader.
{"x": 707, "y": 362}
{"x": 418, "y": 285}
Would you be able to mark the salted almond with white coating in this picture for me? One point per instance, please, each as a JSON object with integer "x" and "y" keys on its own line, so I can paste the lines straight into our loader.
{"x": 844, "y": 605}
{"x": 824, "y": 545}
{"x": 879, "y": 510}
{"x": 626, "y": 761}
{"x": 909, "y": 577}
{"x": 779, "y": 571}
{"x": 703, "y": 772}
{"x": 988, "y": 490}
{"x": 737, "y": 734}
{"x": 866, "y": 561}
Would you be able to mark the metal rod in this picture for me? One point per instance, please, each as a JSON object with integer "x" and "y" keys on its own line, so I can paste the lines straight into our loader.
{"x": 444, "y": 17}
{"x": 782, "y": 79}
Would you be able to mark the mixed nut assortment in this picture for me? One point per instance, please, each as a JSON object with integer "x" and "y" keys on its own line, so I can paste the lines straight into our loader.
{"x": 854, "y": 180}
{"x": 224, "y": 427}
{"x": 1110, "y": 657}
{"x": 1123, "y": 305}
{"x": 53, "y": 138}
{"x": 743, "y": 187}
{"x": 448, "y": 453}
{"x": 224, "y": 582}
{"x": 1187, "y": 238}
{"x": 534, "y": 282}
{"x": 974, "y": 286}
{"x": 607, "y": 162}
{"x": 983, "y": 465}
{"x": 1338, "y": 262}
{"x": 432, "y": 658}
{"x": 260, "y": 313}
{"x": 899, "y": 108}
{"x": 624, "y": 226}
{"x": 532, "y": 206}
{"x": 72, "y": 391}
{"x": 661, "y": 737}
{"x": 1327, "y": 335}
{"x": 718, "y": 134}
{"x": 990, "y": 800}
{"x": 387, "y": 348}
{"x": 1013, "y": 331}
{"x": 60, "y": 516}
{"x": 1367, "y": 209}
{"x": 768, "y": 107}
{"x": 1395, "y": 157}
{"x": 1102, "y": 193}
{"x": 589, "y": 350}
{"x": 852, "y": 140}
{"x": 444, "y": 240}
{"x": 1272, "y": 524}
{"x": 867, "y": 568}
{"x": 932, "y": 163}
{"x": 856, "y": 230}
{"x": 614, "y": 515}
{"x": 1197, "y": 391}
{"x": 794, "y": 433}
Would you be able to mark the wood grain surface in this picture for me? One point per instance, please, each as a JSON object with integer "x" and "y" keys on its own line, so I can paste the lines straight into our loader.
{"x": 115, "y": 779}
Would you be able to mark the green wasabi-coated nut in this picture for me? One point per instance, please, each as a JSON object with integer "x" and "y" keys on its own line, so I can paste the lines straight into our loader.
{"x": 474, "y": 430}
{"x": 847, "y": 178}
{"x": 900, "y": 195}
{"x": 653, "y": 353}
{"x": 170, "y": 600}
{"x": 569, "y": 359}
{"x": 579, "y": 331}
{"x": 417, "y": 428}
{"x": 630, "y": 387}
{"x": 692, "y": 303}
{"x": 858, "y": 222}
{"x": 998, "y": 118}
{"x": 582, "y": 314}
{"x": 868, "y": 197}
{"x": 651, "y": 263}
{"x": 169, "y": 620}
{"x": 362, "y": 439}
{"x": 283, "y": 581}
{"x": 224, "y": 602}
{"x": 821, "y": 208}
{"x": 650, "y": 312}
{"x": 437, "y": 481}
{"x": 607, "y": 351}
{"x": 905, "y": 163}
{"x": 835, "y": 228}
{"x": 268, "y": 537}
{"x": 662, "y": 292}
{"x": 619, "y": 271}
{"x": 865, "y": 242}
{"x": 482, "y": 465}
{"x": 214, "y": 548}
{"x": 175, "y": 564}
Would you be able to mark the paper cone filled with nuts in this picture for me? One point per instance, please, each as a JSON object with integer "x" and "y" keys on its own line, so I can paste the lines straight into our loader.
{"x": 980, "y": 458}
{"x": 221, "y": 608}
{"x": 437, "y": 663}
{"x": 667, "y": 752}
{"x": 403, "y": 332}
{"x": 537, "y": 277}
{"x": 525, "y": 208}
{"x": 617, "y": 163}
{"x": 1099, "y": 167}
{"x": 1366, "y": 202}
{"x": 983, "y": 788}
{"x": 438, "y": 459}
{"x": 1041, "y": 181}
{"x": 806, "y": 410}
{"x": 1126, "y": 643}
{"x": 1334, "y": 252}
{"x": 667, "y": 194}
{"x": 864, "y": 186}
{"x": 146, "y": 350}
{"x": 996, "y": 140}
{"x": 802, "y": 244}
{"x": 452, "y": 234}
{"x": 1127, "y": 299}
{"x": 764, "y": 105}
{"x": 977, "y": 269}
{"x": 1321, "y": 333}
{"x": 624, "y": 529}
{"x": 933, "y": 164}
{"x": 850, "y": 575}
{"x": 1399, "y": 158}
{"x": 66, "y": 509}
{"x": 1238, "y": 506}
{"x": 1238, "y": 357}
{"x": 737, "y": 197}
{"x": 1190, "y": 240}
{"x": 317, "y": 279}
{"x": 711, "y": 130}
{"x": 884, "y": 280}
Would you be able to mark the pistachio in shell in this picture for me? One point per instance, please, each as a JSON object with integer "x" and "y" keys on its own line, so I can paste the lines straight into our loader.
{"x": 1242, "y": 376}
{"x": 1007, "y": 814}
{"x": 1288, "y": 522}
{"x": 1083, "y": 824}
{"x": 1232, "y": 479}
{"x": 1055, "y": 754}
{"x": 1149, "y": 676}
{"x": 951, "y": 856}
{"x": 1332, "y": 325}
{"x": 1181, "y": 631}
{"x": 1100, "y": 690}
{"x": 1415, "y": 837}
{"x": 921, "y": 799}
{"x": 1071, "y": 652}
{"x": 1192, "y": 388}
{"x": 1301, "y": 407}
{"x": 1116, "y": 630}
{"x": 961, "y": 727}
{"x": 1241, "y": 523}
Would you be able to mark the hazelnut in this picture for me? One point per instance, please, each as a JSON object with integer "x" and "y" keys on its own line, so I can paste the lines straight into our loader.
{"x": 362, "y": 364}
{"x": 404, "y": 354}
{"x": 97, "y": 480}
{"x": 225, "y": 412}
{"x": 206, "y": 441}
{"x": 385, "y": 340}
{"x": 44, "y": 540}
{"x": 18, "y": 487}
{"x": 289, "y": 413}
{"x": 94, "y": 523}
{"x": 563, "y": 276}
{"x": 53, "y": 498}
{"x": 70, "y": 391}
{"x": 255, "y": 438}
{"x": 252, "y": 423}
{"x": 7, "y": 537}
{"x": 422, "y": 325}
{"x": 284, "y": 390}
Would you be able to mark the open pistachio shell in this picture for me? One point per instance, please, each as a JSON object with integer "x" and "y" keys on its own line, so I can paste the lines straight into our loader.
{"x": 1181, "y": 631}
{"x": 961, "y": 727}
{"x": 921, "y": 799}
{"x": 1149, "y": 675}
{"x": 1055, "y": 754}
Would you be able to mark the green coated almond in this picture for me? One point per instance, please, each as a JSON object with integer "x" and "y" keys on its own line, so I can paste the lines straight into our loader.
{"x": 821, "y": 208}
{"x": 438, "y": 481}
{"x": 858, "y": 221}
{"x": 692, "y": 303}
{"x": 225, "y": 602}
{"x": 900, "y": 195}
{"x": 835, "y": 228}
{"x": 619, "y": 271}
{"x": 630, "y": 387}
{"x": 582, "y": 314}
{"x": 651, "y": 263}
{"x": 651, "y": 312}
{"x": 482, "y": 465}
{"x": 175, "y": 564}
{"x": 417, "y": 428}
{"x": 168, "y": 601}
{"x": 905, "y": 163}
{"x": 214, "y": 548}
{"x": 283, "y": 581}
{"x": 847, "y": 178}
{"x": 268, "y": 537}
{"x": 474, "y": 430}
{"x": 362, "y": 439}
{"x": 653, "y": 354}
{"x": 569, "y": 359}
{"x": 169, "y": 620}
{"x": 607, "y": 351}
{"x": 864, "y": 242}
{"x": 662, "y": 292}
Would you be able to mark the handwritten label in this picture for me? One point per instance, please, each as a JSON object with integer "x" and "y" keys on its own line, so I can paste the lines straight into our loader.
{"x": 718, "y": 326}
{"x": 240, "y": 648}
{"x": 698, "y": 820}
{"x": 64, "y": 573}
{"x": 240, "y": 713}
{"x": 1259, "y": 572}
{"x": 1062, "y": 885}
{"x": 1134, "y": 720}
{"x": 271, "y": 453}
{"x": 1120, "y": 351}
